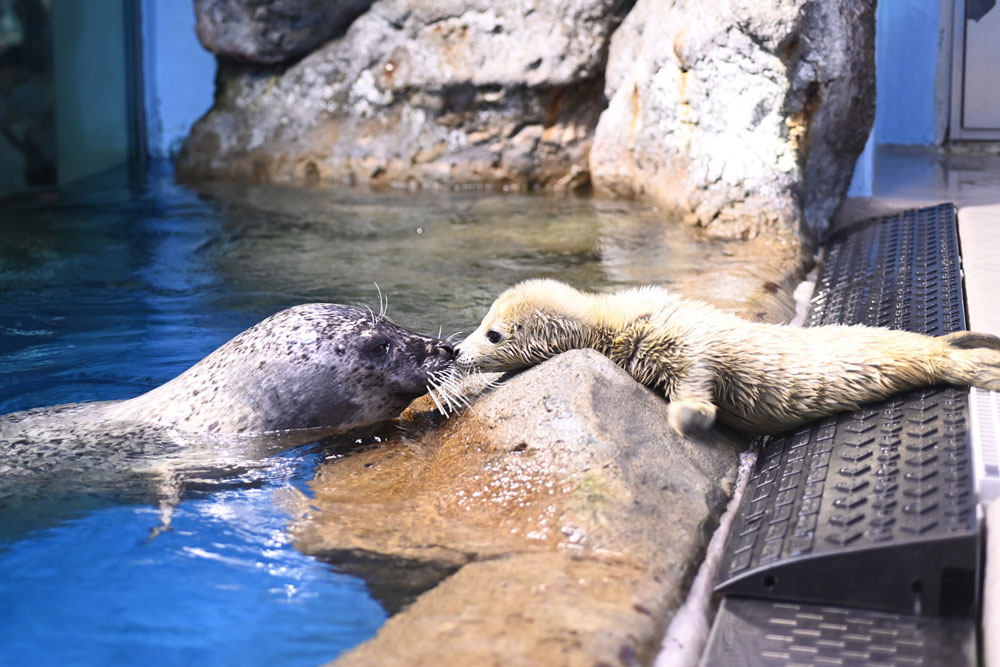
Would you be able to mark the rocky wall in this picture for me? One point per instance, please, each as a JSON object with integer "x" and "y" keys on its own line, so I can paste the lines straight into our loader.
{"x": 744, "y": 117}
{"x": 419, "y": 93}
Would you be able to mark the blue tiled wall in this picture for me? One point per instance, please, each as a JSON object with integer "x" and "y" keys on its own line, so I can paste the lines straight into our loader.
{"x": 179, "y": 74}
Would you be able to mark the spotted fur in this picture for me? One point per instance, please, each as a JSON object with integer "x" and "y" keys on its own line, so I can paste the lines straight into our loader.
{"x": 710, "y": 364}
{"x": 307, "y": 366}
{"x": 314, "y": 365}
{"x": 317, "y": 365}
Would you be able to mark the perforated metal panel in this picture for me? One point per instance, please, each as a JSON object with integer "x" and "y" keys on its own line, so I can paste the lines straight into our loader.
{"x": 984, "y": 409}
{"x": 873, "y": 508}
{"x": 761, "y": 633}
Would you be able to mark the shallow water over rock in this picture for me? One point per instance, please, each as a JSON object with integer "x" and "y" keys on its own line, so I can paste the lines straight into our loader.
{"x": 442, "y": 257}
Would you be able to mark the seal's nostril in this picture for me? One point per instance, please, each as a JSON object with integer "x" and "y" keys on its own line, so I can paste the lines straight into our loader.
{"x": 447, "y": 349}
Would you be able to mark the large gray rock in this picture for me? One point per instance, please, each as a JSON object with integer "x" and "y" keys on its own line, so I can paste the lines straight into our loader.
{"x": 271, "y": 31}
{"x": 746, "y": 116}
{"x": 574, "y": 516}
{"x": 421, "y": 92}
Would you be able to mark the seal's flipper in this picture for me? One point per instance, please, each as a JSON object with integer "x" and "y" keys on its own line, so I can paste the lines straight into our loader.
{"x": 979, "y": 367}
{"x": 970, "y": 340}
{"x": 168, "y": 493}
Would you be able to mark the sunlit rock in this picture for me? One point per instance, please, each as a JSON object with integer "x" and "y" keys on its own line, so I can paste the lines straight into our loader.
{"x": 573, "y": 517}
{"x": 745, "y": 116}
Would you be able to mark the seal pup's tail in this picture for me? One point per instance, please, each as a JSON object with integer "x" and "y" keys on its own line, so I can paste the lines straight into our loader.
{"x": 973, "y": 359}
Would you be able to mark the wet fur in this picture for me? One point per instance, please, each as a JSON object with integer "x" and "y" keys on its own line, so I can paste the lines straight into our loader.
{"x": 308, "y": 366}
{"x": 714, "y": 365}
{"x": 269, "y": 388}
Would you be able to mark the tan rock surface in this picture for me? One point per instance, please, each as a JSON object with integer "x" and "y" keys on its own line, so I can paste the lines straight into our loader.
{"x": 575, "y": 515}
{"x": 745, "y": 116}
{"x": 526, "y": 609}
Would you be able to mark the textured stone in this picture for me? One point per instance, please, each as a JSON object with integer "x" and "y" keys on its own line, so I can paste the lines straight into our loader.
{"x": 421, "y": 92}
{"x": 574, "y": 516}
{"x": 745, "y": 116}
{"x": 271, "y": 31}
{"x": 526, "y": 609}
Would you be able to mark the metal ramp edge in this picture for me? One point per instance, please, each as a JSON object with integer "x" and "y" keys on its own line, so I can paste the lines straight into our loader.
{"x": 873, "y": 514}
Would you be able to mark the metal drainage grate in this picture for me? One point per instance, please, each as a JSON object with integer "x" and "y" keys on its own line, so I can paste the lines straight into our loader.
{"x": 859, "y": 534}
{"x": 759, "y": 633}
{"x": 984, "y": 417}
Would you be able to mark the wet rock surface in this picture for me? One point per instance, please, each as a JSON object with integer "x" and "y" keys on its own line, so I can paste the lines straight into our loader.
{"x": 746, "y": 116}
{"x": 572, "y": 517}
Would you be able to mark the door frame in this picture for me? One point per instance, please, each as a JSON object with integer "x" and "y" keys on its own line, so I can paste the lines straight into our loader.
{"x": 956, "y": 129}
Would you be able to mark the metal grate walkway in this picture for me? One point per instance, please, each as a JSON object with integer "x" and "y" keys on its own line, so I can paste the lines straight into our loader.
{"x": 873, "y": 509}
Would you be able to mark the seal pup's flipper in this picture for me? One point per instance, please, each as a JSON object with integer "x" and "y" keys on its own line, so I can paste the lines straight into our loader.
{"x": 972, "y": 359}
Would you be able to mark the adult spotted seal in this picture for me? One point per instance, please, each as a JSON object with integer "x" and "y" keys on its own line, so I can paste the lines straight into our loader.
{"x": 308, "y": 366}
{"x": 315, "y": 365}
{"x": 760, "y": 378}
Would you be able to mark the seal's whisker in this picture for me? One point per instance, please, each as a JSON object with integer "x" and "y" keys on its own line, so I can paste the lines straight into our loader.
{"x": 456, "y": 405}
{"x": 370, "y": 312}
{"x": 487, "y": 384}
{"x": 447, "y": 386}
{"x": 436, "y": 402}
{"x": 451, "y": 383}
{"x": 449, "y": 401}
{"x": 457, "y": 396}
{"x": 440, "y": 386}
{"x": 437, "y": 380}
{"x": 379, "y": 290}
{"x": 452, "y": 336}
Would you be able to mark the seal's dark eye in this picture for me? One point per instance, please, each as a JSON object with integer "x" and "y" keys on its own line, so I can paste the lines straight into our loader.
{"x": 380, "y": 350}
{"x": 493, "y": 336}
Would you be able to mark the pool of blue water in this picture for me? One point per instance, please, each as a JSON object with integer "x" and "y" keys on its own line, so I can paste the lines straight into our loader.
{"x": 106, "y": 293}
{"x": 113, "y": 287}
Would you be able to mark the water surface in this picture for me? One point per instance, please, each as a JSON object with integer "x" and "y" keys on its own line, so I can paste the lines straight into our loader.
{"x": 108, "y": 291}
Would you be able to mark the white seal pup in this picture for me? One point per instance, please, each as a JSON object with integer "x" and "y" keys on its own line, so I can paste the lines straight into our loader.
{"x": 760, "y": 378}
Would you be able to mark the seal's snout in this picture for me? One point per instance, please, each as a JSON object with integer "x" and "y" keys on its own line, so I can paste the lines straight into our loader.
{"x": 438, "y": 351}
{"x": 445, "y": 350}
